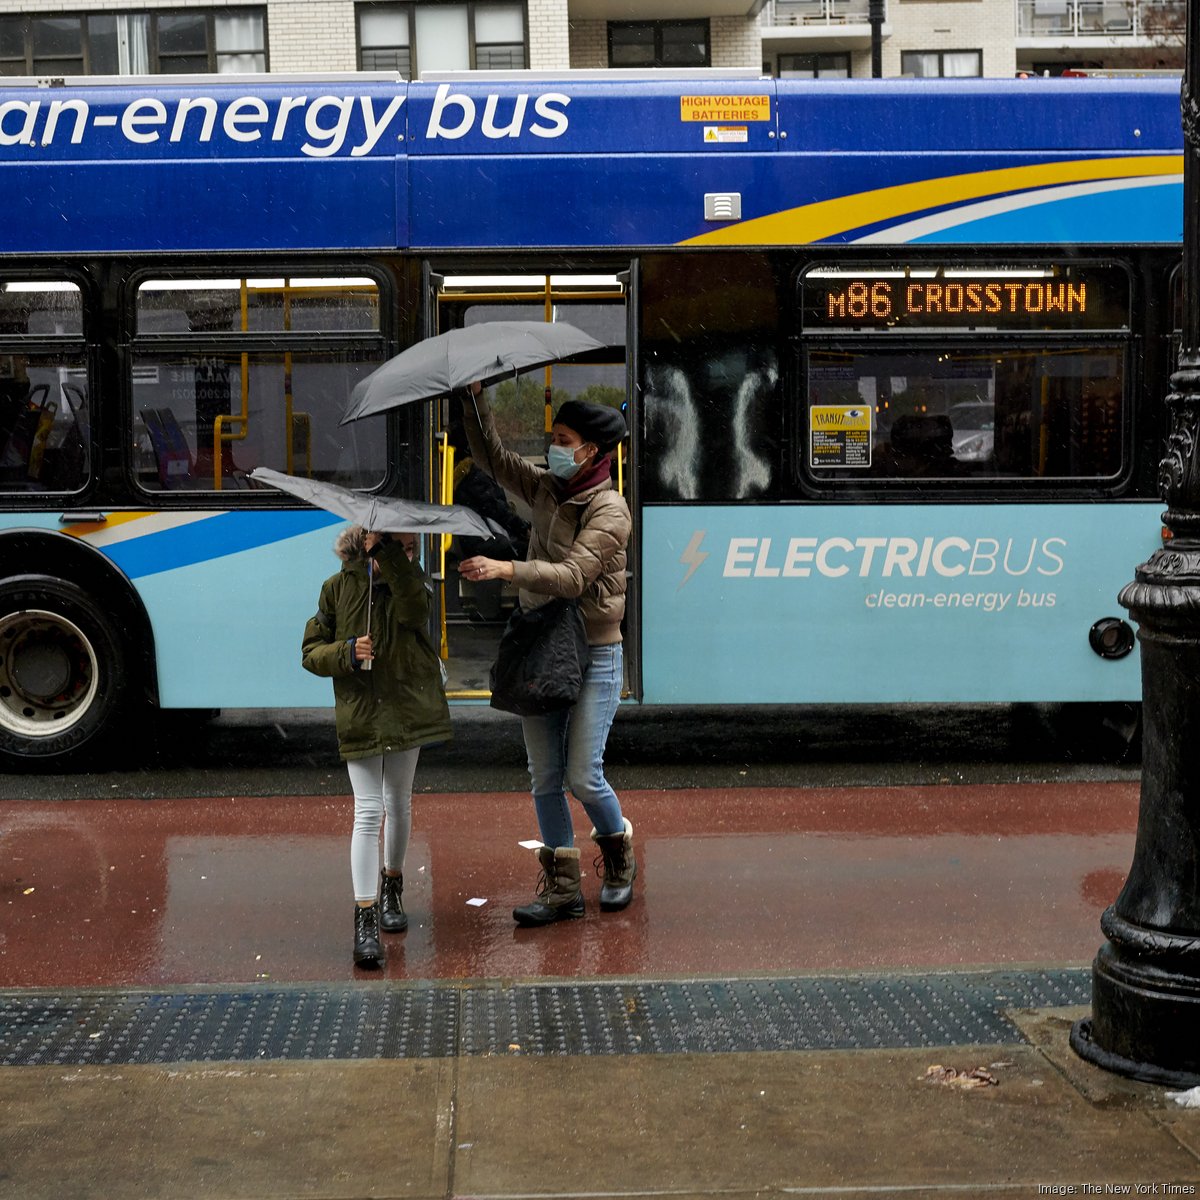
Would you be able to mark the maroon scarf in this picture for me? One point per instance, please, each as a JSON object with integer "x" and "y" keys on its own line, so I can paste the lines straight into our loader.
{"x": 582, "y": 481}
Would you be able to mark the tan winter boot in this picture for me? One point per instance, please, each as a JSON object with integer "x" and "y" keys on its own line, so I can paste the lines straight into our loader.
{"x": 558, "y": 894}
{"x": 617, "y": 866}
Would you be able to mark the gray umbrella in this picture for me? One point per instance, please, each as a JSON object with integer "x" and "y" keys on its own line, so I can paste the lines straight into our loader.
{"x": 382, "y": 514}
{"x": 488, "y": 352}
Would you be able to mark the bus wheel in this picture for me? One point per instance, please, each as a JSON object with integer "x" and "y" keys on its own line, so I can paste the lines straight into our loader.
{"x": 62, "y": 671}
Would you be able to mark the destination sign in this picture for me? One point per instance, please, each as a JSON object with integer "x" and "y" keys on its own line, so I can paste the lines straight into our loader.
{"x": 1092, "y": 298}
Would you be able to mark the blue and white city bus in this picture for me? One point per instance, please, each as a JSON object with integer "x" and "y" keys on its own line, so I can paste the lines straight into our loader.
{"x": 893, "y": 355}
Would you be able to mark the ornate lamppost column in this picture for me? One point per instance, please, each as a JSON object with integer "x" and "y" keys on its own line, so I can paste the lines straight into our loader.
{"x": 1146, "y": 978}
{"x": 875, "y": 20}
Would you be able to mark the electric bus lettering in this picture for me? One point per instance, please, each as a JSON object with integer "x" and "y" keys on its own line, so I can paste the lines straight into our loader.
{"x": 891, "y": 557}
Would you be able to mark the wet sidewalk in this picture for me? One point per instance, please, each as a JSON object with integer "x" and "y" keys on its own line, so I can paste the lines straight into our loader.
{"x": 182, "y": 1019}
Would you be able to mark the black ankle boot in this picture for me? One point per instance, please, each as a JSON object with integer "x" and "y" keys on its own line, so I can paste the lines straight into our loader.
{"x": 367, "y": 950}
{"x": 392, "y": 918}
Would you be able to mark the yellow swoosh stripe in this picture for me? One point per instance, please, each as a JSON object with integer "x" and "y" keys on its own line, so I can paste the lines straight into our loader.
{"x": 82, "y": 528}
{"x": 827, "y": 218}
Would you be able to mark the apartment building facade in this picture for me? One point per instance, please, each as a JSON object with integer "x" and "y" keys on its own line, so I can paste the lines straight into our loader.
{"x": 821, "y": 39}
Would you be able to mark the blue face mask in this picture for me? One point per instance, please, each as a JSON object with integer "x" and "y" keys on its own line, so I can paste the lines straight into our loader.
{"x": 561, "y": 460}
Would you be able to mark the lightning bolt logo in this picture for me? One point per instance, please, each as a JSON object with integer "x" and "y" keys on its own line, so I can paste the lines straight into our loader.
{"x": 693, "y": 556}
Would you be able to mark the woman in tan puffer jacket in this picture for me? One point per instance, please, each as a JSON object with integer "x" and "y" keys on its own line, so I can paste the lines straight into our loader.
{"x": 577, "y": 549}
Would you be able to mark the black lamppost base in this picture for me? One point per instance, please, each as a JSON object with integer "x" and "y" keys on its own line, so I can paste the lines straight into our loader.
{"x": 1089, "y": 1051}
{"x": 1145, "y": 1020}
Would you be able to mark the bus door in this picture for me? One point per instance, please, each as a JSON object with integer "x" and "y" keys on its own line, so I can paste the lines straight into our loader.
{"x": 471, "y": 616}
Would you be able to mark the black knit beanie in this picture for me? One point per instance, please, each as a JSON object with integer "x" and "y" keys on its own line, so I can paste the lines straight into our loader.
{"x": 593, "y": 422}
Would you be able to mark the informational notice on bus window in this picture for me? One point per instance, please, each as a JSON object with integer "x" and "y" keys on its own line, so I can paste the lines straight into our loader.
{"x": 839, "y": 436}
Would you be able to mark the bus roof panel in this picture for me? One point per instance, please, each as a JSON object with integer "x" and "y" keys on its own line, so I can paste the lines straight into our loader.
{"x": 981, "y": 115}
{"x": 575, "y": 200}
{"x": 261, "y": 163}
{"x": 255, "y": 163}
{"x": 164, "y": 207}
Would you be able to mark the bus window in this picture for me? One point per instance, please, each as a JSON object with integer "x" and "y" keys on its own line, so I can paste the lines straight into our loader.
{"x": 709, "y": 377}
{"x": 956, "y": 372}
{"x": 44, "y": 419}
{"x": 41, "y": 309}
{"x": 1016, "y": 412}
{"x": 258, "y": 306}
{"x": 229, "y": 375}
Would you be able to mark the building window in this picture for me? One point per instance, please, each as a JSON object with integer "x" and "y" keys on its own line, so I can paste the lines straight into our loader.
{"x": 814, "y": 66}
{"x": 198, "y": 41}
{"x": 658, "y": 44}
{"x": 414, "y": 37}
{"x": 941, "y": 64}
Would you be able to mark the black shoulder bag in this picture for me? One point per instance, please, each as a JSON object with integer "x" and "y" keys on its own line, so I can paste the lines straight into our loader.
{"x": 541, "y": 661}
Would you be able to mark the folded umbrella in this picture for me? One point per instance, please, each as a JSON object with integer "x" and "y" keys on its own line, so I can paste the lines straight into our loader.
{"x": 488, "y": 352}
{"x": 383, "y": 514}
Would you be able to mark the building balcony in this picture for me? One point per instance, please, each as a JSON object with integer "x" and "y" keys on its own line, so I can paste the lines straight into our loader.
{"x": 817, "y": 24}
{"x": 788, "y": 17}
{"x": 1146, "y": 21}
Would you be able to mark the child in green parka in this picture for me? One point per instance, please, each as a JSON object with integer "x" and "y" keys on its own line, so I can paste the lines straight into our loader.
{"x": 370, "y": 635}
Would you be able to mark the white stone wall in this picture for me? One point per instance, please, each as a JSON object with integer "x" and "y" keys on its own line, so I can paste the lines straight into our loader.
{"x": 987, "y": 25}
{"x": 108, "y": 6}
{"x": 736, "y": 42}
{"x": 549, "y": 35}
{"x": 311, "y": 35}
{"x": 589, "y": 45}
{"x": 860, "y": 64}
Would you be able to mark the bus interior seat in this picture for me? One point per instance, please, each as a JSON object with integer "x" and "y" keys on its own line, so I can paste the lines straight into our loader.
{"x": 21, "y": 410}
{"x": 170, "y": 447}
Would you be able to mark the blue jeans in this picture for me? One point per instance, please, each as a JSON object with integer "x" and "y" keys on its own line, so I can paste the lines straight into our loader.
{"x": 566, "y": 749}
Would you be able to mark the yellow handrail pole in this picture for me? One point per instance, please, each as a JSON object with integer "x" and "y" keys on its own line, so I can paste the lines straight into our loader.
{"x": 241, "y": 418}
{"x": 621, "y": 470}
{"x": 446, "y": 484}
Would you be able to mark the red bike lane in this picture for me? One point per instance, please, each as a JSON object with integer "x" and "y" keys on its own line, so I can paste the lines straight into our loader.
{"x": 733, "y": 881}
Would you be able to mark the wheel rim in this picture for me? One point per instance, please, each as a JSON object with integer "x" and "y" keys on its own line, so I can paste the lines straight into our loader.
{"x": 49, "y": 675}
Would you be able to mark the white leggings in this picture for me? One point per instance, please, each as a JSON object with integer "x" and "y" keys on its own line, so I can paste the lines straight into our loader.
{"x": 382, "y": 786}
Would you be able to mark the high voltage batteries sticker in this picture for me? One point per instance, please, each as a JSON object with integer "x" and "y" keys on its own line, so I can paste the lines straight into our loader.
{"x": 839, "y": 436}
{"x": 724, "y": 110}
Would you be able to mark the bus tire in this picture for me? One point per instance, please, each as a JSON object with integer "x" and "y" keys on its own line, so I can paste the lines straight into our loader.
{"x": 63, "y": 673}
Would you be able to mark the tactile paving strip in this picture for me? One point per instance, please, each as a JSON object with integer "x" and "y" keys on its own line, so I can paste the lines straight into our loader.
{"x": 446, "y": 1020}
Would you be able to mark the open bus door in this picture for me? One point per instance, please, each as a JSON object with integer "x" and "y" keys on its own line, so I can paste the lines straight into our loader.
{"x": 470, "y": 617}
